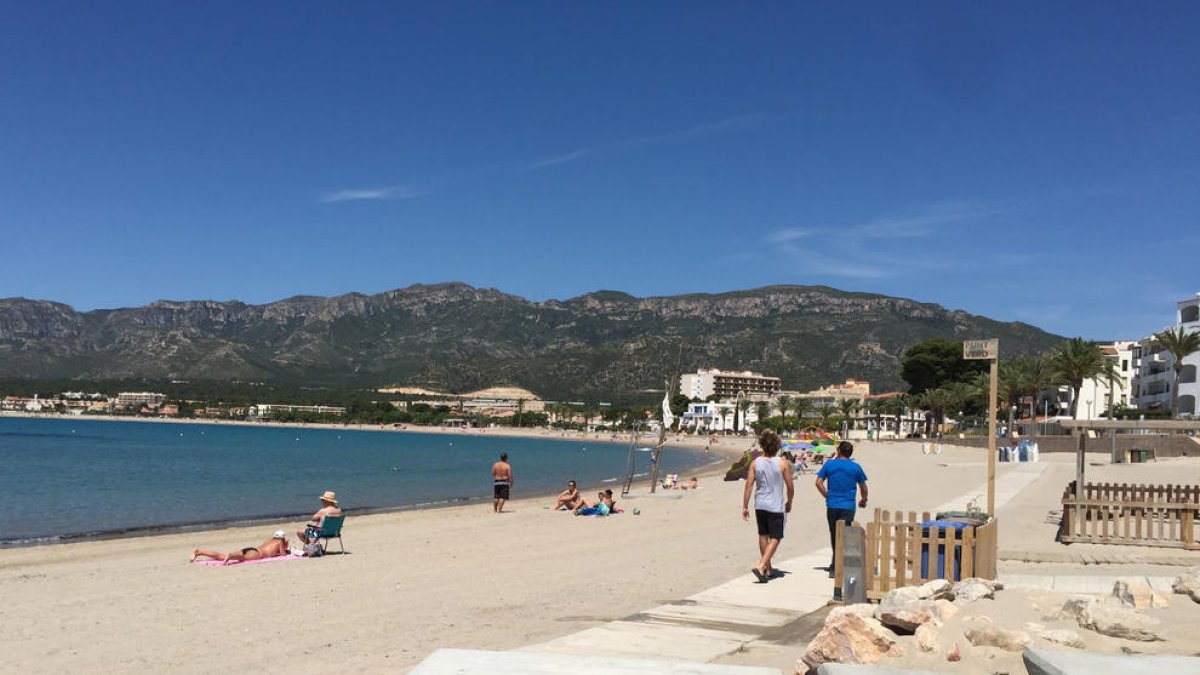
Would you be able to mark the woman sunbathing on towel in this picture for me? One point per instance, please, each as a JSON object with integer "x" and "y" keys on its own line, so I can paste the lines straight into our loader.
{"x": 274, "y": 547}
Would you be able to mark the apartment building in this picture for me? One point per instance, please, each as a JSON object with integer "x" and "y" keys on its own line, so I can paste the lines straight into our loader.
{"x": 1156, "y": 376}
{"x": 727, "y": 384}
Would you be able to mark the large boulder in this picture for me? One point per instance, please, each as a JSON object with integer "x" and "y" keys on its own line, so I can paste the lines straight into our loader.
{"x": 849, "y": 638}
{"x": 1001, "y": 638}
{"x": 1188, "y": 584}
{"x": 1139, "y": 595}
{"x": 1116, "y": 620}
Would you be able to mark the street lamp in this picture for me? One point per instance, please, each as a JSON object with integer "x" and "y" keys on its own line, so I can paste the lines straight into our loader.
{"x": 1089, "y": 405}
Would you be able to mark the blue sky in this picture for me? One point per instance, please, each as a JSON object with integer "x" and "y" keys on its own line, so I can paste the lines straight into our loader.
{"x": 1026, "y": 161}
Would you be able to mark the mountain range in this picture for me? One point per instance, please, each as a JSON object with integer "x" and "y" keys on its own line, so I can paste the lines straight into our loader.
{"x": 604, "y": 345}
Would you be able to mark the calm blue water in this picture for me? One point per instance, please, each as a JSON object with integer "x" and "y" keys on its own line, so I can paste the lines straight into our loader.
{"x": 67, "y": 477}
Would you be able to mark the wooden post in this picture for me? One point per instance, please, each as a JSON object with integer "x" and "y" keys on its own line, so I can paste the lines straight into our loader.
{"x": 1079, "y": 471}
{"x": 992, "y": 391}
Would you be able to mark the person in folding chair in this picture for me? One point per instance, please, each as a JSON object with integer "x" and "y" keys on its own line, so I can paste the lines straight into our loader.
{"x": 329, "y": 507}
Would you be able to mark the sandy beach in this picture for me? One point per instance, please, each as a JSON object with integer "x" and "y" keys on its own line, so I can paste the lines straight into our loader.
{"x": 413, "y": 581}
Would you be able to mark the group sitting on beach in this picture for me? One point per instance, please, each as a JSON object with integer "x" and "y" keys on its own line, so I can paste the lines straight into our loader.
{"x": 603, "y": 506}
{"x": 277, "y": 545}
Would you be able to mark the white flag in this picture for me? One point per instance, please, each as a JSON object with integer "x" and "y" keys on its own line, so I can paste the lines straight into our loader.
{"x": 668, "y": 418}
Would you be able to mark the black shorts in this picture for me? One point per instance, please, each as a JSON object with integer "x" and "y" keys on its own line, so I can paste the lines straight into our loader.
{"x": 500, "y": 491}
{"x": 770, "y": 524}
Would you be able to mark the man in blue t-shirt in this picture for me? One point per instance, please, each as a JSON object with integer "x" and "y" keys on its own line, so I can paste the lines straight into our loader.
{"x": 837, "y": 482}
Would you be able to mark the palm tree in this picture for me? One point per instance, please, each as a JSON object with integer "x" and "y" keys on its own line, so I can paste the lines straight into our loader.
{"x": 1037, "y": 375}
{"x": 849, "y": 406}
{"x": 935, "y": 401}
{"x": 1073, "y": 362}
{"x": 801, "y": 407}
{"x": 785, "y": 404}
{"x": 1112, "y": 375}
{"x": 1181, "y": 344}
{"x": 826, "y": 411}
{"x": 763, "y": 410}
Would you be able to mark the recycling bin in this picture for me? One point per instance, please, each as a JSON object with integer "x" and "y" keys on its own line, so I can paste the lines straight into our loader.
{"x": 939, "y": 556}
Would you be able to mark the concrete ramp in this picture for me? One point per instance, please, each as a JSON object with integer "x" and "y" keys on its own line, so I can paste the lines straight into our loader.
{"x": 1048, "y": 662}
{"x": 478, "y": 662}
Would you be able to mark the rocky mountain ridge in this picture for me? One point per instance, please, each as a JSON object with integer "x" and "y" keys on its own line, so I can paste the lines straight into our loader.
{"x": 457, "y": 337}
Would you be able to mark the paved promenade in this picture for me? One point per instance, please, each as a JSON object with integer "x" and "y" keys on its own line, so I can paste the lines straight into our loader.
{"x": 741, "y": 614}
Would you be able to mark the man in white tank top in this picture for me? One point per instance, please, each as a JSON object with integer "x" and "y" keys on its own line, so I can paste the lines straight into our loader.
{"x": 770, "y": 480}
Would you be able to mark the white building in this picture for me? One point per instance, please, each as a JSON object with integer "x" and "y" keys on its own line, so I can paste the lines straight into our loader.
{"x": 139, "y": 398}
{"x": 1097, "y": 396}
{"x": 727, "y": 384}
{"x": 1156, "y": 377}
{"x": 713, "y": 417}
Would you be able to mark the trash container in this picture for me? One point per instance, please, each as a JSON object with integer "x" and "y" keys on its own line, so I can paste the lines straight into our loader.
{"x": 958, "y": 526}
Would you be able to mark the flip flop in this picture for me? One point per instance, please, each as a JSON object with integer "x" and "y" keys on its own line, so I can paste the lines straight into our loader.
{"x": 762, "y": 578}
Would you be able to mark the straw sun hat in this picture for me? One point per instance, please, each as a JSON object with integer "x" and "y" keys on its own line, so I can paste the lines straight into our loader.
{"x": 329, "y": 496}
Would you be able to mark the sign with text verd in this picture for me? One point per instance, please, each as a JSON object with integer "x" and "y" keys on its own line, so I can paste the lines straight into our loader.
{"x": 981, "y": 349}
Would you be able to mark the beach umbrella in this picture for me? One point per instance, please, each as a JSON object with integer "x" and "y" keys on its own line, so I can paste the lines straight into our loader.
{"x": 741, "y": 468}
{"x": 798, "y": 445}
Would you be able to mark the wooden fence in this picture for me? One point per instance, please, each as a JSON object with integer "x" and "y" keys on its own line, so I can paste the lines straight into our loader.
{"x": 1136, "y": 515}
{"x": 901, "y": 552}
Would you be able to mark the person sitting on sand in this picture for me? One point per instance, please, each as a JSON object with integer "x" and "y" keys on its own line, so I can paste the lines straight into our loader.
{"x": 329, "y": 507}
{"x": 601, "y": 507}
{"x": 568, "y": 499}
{"x": 274, "y": 547}
{"x": 689, "y": 484}
{"x": 610, "y": 502}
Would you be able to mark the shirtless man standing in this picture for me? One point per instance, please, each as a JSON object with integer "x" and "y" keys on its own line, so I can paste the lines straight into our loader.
{"x": 274, "y": 547}
{"x": 329, "y": 507}
{"x": 502, "y": 480}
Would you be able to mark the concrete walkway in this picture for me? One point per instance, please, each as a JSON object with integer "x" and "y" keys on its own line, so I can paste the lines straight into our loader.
{"x": 741, "y": 614}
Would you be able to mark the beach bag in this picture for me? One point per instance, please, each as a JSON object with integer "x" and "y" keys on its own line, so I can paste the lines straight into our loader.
{"x": 313, "y": 550}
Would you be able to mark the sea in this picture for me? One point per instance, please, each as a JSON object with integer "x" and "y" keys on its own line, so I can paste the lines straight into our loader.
{"x": 72, "y": 479}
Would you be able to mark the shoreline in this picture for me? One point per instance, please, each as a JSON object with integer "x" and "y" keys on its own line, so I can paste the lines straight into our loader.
{"x": 723, "y": 445}
{"x": 714, "y": 468}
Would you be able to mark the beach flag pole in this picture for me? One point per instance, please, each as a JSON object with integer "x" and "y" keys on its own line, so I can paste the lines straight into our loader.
{"x": 667, "y": 420}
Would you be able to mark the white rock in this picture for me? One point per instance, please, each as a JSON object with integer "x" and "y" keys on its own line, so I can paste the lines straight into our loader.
{"x": 1116, "y": 620}
{"x": 1139, "y": 595}
{"x": 944, "y": 609}
{"x": 970, "y": 590}
{"x": 1001, "y": 638}
{"x": 927, "y": 637}
{"x": 1188, "y": 584}
{"x": 936, "y": 590}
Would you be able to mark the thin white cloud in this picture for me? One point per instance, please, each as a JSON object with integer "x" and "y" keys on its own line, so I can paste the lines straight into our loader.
{"x": 560, "y": 159}
{"x": 923, "y": 223}
{"x": 867, "y": 250}
{"x": 358, "y": 194}
{"x": 727, "y": 125}
{"x": 789, "y": 234}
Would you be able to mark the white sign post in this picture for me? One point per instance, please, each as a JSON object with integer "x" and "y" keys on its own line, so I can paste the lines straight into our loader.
{"x": 990, "y": 350}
